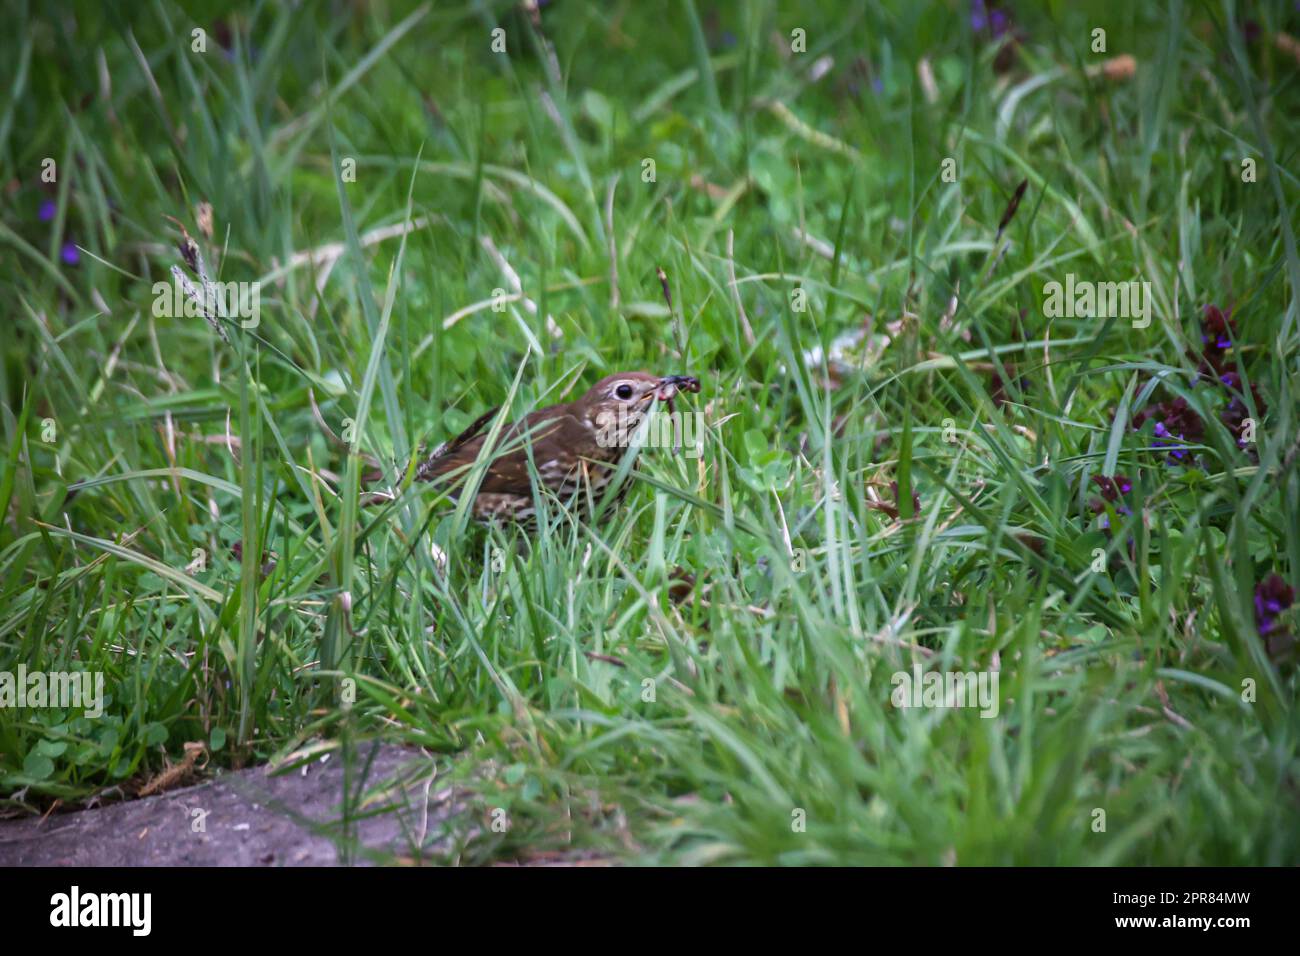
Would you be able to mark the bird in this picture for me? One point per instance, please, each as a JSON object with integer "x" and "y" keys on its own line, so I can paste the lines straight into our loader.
{"x": 576, "y": 447}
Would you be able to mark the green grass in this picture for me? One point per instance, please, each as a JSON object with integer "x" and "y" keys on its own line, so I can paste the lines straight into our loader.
{"x": 560, "y": 681}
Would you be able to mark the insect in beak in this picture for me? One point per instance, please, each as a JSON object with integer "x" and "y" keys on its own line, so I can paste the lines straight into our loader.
{"x": 670, "y": 385}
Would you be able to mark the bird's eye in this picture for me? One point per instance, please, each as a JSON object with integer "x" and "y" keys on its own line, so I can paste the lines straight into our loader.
{"x": 624, "y": 391}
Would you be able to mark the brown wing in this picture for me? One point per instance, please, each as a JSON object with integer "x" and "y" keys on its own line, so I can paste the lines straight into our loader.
{"x": 470, "y": 433}
{"x": 508, "y": 473}
{"x": 449, "y": 455}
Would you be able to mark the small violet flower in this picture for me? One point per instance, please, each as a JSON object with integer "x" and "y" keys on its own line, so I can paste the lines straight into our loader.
{"x": 1273, "y": 596}
{"x": 1218, "y": 332}
{"x": 983, "y": 17}
{"x": 1112, "y": 489}
{"x": 1176, "y": 425}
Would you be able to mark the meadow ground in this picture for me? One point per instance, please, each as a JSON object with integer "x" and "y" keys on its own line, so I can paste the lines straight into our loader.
{"x": 940, "y": 433}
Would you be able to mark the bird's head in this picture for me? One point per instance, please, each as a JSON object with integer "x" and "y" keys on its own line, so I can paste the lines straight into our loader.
{"x": 616, "y": 405}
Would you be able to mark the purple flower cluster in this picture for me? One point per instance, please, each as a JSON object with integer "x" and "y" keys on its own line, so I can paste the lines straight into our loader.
{"x": 1112, "y": 492}
{"x": 991, "y": 21}
{"x": 1218, "y": 329}
{"x": 1218, "y": 336}
{"x": 1237, "y": 413}
{"x": 1176, "y": 423}
{"x": 983, "y": 17}
{"x": 1273, "y": 596}
{"x": 1112, "y": 488}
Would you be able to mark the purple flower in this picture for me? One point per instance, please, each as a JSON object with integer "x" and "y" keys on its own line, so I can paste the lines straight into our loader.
{"x": 1176, "y": 423}
{"x": 70, "y": 254}
{"x": 1218, "y": 329}
{"x": 1273, "y": 597}
{"x": 985, "y": 17}
{"x": 1237, "y": 414}
{"x": 48, "y": 209}
{"x": 1111, "y": 490}
{"x": 1218, "y": 336}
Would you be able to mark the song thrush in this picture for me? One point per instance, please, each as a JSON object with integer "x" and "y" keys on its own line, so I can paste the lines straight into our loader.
{"x": 576, "y": 446}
